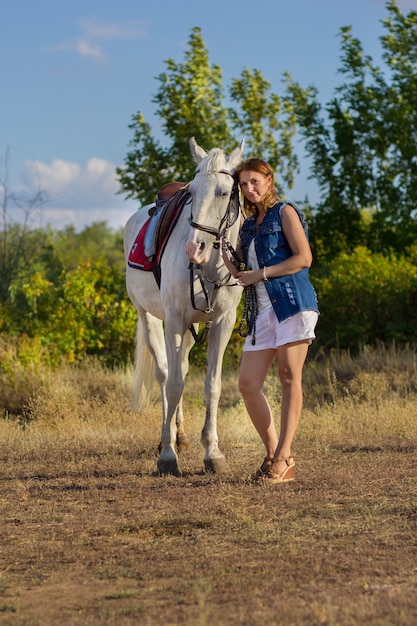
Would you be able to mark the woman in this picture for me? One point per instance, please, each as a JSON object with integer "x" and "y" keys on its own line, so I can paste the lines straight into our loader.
{"x": 275, "y": 249}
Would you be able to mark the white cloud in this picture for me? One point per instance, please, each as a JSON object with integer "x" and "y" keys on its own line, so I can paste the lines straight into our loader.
{"x": 93, "y": 32}
{"x": 86, "y": 49}
{"x": 78, "y": 195}
{"x": 102, "y": 31}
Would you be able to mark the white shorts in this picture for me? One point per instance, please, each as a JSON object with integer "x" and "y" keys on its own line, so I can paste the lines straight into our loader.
{"x": 270, "y": 333}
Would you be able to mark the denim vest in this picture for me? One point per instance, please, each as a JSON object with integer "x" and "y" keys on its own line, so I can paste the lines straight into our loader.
{"x": 289, "y": 294}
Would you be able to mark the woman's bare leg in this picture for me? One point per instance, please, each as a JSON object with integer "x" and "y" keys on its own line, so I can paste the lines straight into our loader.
{"x": 291, "y": 359}
{"x": 253, "y": 370}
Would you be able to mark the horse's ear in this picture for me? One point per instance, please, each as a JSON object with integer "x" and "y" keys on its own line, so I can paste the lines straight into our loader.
{"x": 236, "y": 156}
{"x": 197, "y": 151}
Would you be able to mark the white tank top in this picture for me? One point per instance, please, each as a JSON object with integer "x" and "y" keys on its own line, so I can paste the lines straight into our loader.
{"x": 264, "y": 301}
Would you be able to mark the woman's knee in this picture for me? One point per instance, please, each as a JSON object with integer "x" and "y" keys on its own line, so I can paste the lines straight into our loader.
{"x": 288, "y": 377}
{"x": 247, "y": 385}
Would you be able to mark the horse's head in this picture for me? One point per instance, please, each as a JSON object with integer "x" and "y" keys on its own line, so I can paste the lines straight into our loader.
{"x": 214, "y": 206}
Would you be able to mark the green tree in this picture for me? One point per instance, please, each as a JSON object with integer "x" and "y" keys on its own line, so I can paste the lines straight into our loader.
{"x": 86, "y": 312}
{"x": 96, "y": 242}
{"x": 18, "y": 245}
{"x": 366, "y": 298}
{"x": 90, "y": 314}
{"x": 268, "y": 122}
{"x": 26, "y": 252}
{"x": 363, "y": 142}
{"x": 190, "y": 103}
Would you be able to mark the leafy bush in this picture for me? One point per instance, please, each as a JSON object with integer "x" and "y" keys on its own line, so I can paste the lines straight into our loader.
{"x": 86, "y": 313}
{"x": 367, "y": 298}
{"x": 72, "y": 309}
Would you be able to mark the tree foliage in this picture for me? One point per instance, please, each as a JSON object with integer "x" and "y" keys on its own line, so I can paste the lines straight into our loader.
{"x": 268, "y": 122}
{"x": 64, "y": 292}
{"x": 70, "y": 296}
{"x": 18, "y": 246}
{"x": 190, "y": 102}
{"x": 363, "y": 143}
{"x": 367, "y": 298}
{"x": 95, "y": 243}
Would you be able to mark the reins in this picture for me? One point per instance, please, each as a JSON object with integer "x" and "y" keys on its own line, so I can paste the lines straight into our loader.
{"x": 250, "y": 304}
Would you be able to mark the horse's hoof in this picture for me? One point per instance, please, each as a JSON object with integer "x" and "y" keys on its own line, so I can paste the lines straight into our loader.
{"x": 217, "y": 465}
{"x": 168, "y": 468}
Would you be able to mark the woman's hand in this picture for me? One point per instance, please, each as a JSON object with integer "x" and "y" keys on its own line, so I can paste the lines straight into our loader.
{"x": 249, "y": 277}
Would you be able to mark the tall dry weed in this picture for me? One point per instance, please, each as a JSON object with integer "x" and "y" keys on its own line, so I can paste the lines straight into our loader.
{"x": 366, "y": 401}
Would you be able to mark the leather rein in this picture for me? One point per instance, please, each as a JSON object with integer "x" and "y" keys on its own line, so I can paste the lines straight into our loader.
{"x": 226, "y": 223}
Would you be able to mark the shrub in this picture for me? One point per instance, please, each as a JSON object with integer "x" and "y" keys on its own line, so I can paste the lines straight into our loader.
{"x": 367, "y": 298}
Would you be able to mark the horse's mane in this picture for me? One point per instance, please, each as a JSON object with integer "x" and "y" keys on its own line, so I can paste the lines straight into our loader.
{"x": 213, "y": 162}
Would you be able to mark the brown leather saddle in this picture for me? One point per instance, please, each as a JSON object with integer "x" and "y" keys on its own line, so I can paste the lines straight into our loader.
{"x": 174, "y": 203}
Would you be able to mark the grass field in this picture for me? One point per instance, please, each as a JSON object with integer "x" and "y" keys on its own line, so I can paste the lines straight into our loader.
{"x": 91, "y": 535}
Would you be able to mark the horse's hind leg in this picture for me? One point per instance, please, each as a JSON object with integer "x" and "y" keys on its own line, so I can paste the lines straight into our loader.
{"x": 155, "y": 342}
{"x": 182, "y": 439}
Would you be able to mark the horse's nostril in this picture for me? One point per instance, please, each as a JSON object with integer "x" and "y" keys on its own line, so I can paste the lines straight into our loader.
{"x": 202, "y": 246}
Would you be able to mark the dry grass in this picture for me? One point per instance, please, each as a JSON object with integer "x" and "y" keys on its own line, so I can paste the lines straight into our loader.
{"x": 90, "y": 535}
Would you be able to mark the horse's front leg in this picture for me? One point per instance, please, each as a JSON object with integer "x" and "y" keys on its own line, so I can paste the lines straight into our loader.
{"x": 214, "y": 460}
{"x": 168, "y": 460}
{"x": 182, "y": 440}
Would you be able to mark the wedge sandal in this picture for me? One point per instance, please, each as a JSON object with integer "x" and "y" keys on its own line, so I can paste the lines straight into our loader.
{"x": 264, "y": 469}
{"x": 273, "y": 475}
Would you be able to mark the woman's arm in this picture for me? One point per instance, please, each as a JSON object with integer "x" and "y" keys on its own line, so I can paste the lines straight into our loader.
{"x": 298, "y": 242}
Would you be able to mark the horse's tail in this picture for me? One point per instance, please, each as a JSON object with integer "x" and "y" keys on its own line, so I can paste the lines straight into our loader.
{"x": 143, "y": 376}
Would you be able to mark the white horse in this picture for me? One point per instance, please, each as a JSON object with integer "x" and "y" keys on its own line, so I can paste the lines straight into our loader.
{"x": 168, "y": 315}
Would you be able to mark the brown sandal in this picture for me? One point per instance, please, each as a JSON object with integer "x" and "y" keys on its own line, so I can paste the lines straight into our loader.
{"x": 264, "y": 469}
{"x": 280, "y": 476}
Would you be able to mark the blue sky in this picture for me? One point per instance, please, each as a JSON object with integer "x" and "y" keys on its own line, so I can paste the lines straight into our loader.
{"x": 75, "y": 71}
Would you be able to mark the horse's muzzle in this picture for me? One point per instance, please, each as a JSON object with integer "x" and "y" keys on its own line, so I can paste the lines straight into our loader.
{"x": 198, "y": 252}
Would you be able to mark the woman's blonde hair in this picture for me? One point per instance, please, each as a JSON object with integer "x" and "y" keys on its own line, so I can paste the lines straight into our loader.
{"x": 262, "y": 167}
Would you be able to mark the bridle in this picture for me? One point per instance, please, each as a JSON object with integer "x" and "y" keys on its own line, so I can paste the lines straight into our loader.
{"x": 228, "y": 218}
{"x": 226, "y": 223}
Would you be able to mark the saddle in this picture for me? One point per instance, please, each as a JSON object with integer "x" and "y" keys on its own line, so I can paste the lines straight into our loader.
{"x": 166, "y": 222}
{"x": 171, "y": 209}
{"x": 168, "y": 212}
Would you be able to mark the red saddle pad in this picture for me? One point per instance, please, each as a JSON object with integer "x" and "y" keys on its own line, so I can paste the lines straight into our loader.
{"x": 137, "y": 258}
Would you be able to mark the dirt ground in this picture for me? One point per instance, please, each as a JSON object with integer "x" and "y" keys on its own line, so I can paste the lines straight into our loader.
{"x": 100, "y": 539}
